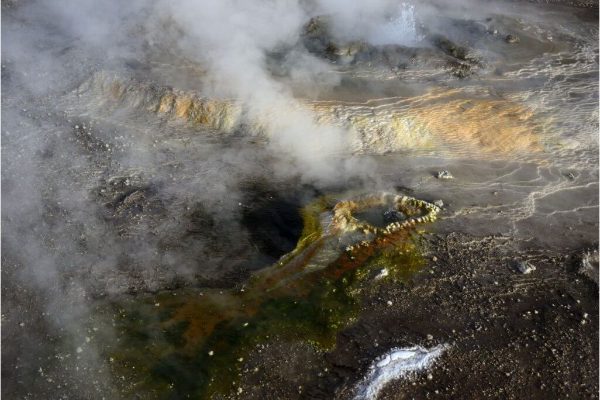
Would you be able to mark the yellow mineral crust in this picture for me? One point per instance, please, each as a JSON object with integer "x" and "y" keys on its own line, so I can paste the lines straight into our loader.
{"x": 444, "y": 123}
{"x": 492, "y": 126}
{"x": 417, "y": 211}
{"x": 222, "y": 115}
{"x": 441, "y": 121}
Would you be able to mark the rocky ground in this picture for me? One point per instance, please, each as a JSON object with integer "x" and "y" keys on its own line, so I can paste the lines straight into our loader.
{"x": 510, "y": 335}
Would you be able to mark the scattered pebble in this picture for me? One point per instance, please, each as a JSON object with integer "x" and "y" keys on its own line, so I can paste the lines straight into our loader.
{"x": 389, "y": 303}
{"x": 211, "y": 353}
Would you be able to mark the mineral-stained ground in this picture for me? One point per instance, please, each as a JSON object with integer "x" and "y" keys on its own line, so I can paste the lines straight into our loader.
{"x": 299, "y": 200}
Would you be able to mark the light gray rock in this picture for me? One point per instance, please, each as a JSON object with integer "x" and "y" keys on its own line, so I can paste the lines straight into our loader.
{"x": 588, "y": 266}
{"x": 524, "y": 267}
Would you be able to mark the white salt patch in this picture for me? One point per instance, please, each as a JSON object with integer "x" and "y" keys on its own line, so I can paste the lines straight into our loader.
{"x": 397, "y": 363}
{"x": 385, "y": 361}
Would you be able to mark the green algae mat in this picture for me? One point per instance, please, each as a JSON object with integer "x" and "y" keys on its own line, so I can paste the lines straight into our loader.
{"x": 192, "y": 343}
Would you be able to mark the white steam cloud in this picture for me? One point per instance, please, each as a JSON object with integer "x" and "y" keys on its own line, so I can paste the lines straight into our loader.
{"x": 102, "y": 210}
{"x": 233, "y": 38}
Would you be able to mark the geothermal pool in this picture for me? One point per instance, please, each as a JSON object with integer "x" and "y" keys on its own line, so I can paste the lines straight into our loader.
{"x": 244, "y": 200}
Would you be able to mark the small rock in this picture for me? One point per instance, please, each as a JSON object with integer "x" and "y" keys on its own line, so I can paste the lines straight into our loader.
{"x": 439, "y": 203}
{"x": 211, "y": 353}
{"x": 571, "y": 176}
{"x": 389, "y": 303}
{"x": 444, "y": 175}
{"x": 525, "y": 267}
{"x": 429, "y": 377}
{"x": 588, "y": 265}
{"x": 429, "y": 336}
{"x": 382, "y": 274}
{"x": 512, "y": 39}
